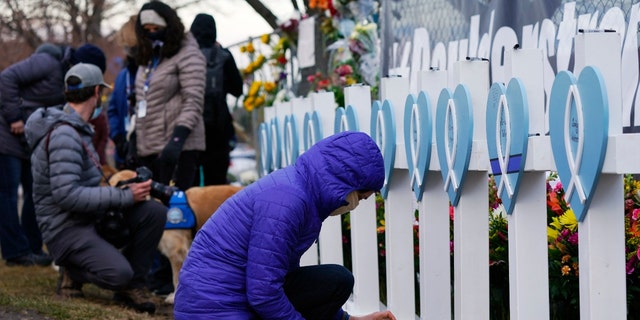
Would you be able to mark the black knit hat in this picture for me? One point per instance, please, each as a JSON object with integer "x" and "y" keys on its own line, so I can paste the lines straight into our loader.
{"x": 204, "y": 30}
{"x": 89, "y": 53}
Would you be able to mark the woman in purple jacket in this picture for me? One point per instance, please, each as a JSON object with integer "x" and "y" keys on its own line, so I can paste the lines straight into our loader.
{"x": 245, "y": 261}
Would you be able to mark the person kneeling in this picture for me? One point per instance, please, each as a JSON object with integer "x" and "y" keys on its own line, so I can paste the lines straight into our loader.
{"x": 244, "y": 262}
{"x": 70, "y": 202}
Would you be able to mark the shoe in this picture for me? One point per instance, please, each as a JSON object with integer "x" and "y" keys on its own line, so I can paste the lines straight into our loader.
{"x": 30, "y": 259}
{"x": 66, "y": 287}
{"x": 137, "y": 299}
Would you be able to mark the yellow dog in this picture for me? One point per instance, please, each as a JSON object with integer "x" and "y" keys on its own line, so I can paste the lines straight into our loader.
{"x": 175, "y": 243}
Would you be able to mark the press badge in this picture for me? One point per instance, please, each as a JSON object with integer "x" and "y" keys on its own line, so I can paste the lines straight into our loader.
{"x": 142, "y": 108}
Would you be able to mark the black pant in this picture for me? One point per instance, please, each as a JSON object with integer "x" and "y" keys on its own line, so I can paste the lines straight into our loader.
{"x": 215, "y": 159}
{"x": 318, "y": 292}
{"x": 90, "y": 258}
{"x": 184, "y": 174}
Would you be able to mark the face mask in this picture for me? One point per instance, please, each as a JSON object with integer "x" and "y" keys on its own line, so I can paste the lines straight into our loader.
{"x": 156, "y": 35}
{"x": 98, "y": 110}
{"x": 353, "y": 200}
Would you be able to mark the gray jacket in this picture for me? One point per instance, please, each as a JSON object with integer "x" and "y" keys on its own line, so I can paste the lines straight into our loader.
{"x": 175, "y": 98}
{"x": 66, "y": 181}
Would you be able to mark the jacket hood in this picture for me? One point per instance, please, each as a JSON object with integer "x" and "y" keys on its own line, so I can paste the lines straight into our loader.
{"x": 338, "y": 165}
{"x": 51, "y": 49}
{"x": 44, "y": 119}
{"x": 204, "y": 30}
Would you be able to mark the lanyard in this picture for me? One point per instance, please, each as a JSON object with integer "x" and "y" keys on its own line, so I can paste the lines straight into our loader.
{"x": 148, "y": 72}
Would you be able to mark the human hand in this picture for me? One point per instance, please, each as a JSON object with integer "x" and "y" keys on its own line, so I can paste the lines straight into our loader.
{"x": 380, "y": 315}
{"x": 17, "y": 127}
{"x": 140, "y": 190}
{"x": 171, "y": 152}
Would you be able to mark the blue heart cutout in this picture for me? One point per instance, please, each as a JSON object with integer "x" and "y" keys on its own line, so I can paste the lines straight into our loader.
{"x": 383, "y": 132}
{"x": 264, "y": 141}
{"x": 312, "y": 131}
{"x": 507, "y": 138}
{"x": 579, "y": 128}
{"x": 345, "y": 120}
{"x": 290, "y": 140}
{"x": 418, "y": 133}
{"x": 276, "y": 149}
{"x": 454, "y": 137}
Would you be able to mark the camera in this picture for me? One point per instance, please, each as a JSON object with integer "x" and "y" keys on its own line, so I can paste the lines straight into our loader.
{"x": 158, "y": 190}
{"x": 112, "y": 227}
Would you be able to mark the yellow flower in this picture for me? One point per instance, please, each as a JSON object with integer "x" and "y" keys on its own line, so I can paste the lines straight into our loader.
{"x": 269, "y": 86}
{"x": 243, "y": 49}
{"x": 255, "y": 87}
{"x": 265, "y": 38}
{"x": 248, "y": 103}
{"x": 566, "y": 258}
{"x": 259, "y": 100}
{"x": 250, "y": 48}
{"x": 259, "y": 60}
{"x": 569, "y": 221}
{"x": 565, "y": 270}
{"x": 350, "y": 81}
{"x": 552, "y": 234}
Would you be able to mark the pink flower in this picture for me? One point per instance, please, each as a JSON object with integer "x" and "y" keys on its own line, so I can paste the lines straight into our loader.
{"x": 311, "y": 78}
{"x": 630, "y": 266}
{"x": 558, "y": 187}
{"x": 344, "y": 70}
{"x": 638, "y": 253}
{"x": 573, "y": 239}
{"x": 635, "y": 214}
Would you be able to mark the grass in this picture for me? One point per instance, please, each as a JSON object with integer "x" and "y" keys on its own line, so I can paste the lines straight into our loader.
{"x": 32, "y": 290}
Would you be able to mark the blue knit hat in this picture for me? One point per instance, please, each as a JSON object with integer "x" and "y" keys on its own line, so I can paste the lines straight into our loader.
{"x": 89, "y": 53}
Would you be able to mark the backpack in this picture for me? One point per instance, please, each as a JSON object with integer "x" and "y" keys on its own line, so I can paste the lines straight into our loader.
{"x": 216, "y": 112}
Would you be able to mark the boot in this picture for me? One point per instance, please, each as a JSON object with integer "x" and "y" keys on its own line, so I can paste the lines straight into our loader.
{"x": 136, "y": 298}
{"x": 66, "y": 287}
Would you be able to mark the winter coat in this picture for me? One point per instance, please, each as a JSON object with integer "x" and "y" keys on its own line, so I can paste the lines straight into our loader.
{"x": 118, "y": 109}
{"x": 175, "y": 98}
{"x": 37, "y": 81}
{"x": 65, "y": 178}
{"x": 238, "y": 261}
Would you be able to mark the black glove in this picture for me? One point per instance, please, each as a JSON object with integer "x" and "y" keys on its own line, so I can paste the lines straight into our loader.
{"x": 171, "y": 152}
{"x": 131, "y": 153}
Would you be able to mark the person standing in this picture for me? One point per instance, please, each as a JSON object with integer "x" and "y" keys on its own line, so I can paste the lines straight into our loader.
{"x": 24, "y": 86}
{"x": 123, "y": 98}
{"x": 244, "y": 262}
{"x": 70, "y": 201}
{"x": 169, "y": 96}
{"x": 223, "y": 77}
{"x": 169, "y": 128}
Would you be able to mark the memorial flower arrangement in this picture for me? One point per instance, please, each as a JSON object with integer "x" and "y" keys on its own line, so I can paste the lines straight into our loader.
{"x": 351, "y": 35}
{"x": 266, "y": 73}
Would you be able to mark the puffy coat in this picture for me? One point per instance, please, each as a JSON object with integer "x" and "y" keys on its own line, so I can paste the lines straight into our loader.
{"x": 37, "y": 81}
{"x": 65, "y": 178}
{"x": 238, "y": 261}
{"x": 175, "y": 97}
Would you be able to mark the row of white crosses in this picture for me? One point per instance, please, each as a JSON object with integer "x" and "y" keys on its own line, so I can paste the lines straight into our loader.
{"x": 439, "y": 146}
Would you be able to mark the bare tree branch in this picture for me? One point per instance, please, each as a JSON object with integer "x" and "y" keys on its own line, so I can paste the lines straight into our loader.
{"x": 264, "y": 12}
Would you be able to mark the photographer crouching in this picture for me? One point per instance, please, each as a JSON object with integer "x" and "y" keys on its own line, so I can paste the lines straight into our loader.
{"x": 97, "y": 234}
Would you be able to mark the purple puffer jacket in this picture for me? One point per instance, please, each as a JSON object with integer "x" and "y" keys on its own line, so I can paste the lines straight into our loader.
{"x": 238, "y": 260}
